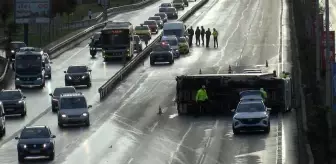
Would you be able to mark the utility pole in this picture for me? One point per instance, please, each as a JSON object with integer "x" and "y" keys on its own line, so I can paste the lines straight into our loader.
{"x": 318, "y": 41}
{"x": 327, "y": 58}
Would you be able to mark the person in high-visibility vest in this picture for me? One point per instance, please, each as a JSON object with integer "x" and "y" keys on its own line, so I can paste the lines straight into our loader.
{"x": 283, "y": 74}
{"x": 215, "y": 35}
{"x": 263, "y": 94}
{"x": 201, "y": 99}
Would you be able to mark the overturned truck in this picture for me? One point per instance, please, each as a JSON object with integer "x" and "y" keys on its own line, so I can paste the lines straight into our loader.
{"x": 223, "y": 91}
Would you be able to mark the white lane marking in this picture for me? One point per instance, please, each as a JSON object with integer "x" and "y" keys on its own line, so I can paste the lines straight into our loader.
{"x": 72, "y": 56}
{"x": 154, "y": 126}
{"x": 172, "y": 155}
{"x": 279, "y": 140}
{"x": 130, "y": 161}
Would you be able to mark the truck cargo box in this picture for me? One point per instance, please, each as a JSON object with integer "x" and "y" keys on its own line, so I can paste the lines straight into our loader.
{"x": 223, "y": 91}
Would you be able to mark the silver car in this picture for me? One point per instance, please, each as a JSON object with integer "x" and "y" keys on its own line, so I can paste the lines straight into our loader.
{"x": 251, "y": 115}
{"x": 158, "y": 20}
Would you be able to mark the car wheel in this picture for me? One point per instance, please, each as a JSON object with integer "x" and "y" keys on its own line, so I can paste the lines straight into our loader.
{"x": 60, "y": 125}
{"x": 87, "y": 123}
{"x": 235, "y": 131}
{"x": 50, "y": 77}
{"x": 52, "y": 156}
{"x": 268, "y": 129}
{"x": 17, "y": 87}
{"x": 182, "y": 8}
{"x": 24, "y": 113}
{"x": 171, "y": 62}
{"x": 21, "y": 158}
{"x": 89, "y": 85}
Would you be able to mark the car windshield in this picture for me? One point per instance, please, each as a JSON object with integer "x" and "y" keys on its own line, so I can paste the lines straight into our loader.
{"x": 172, "y": 42}
{"x": 73, "y": 103}
{"x": 29, "y": 133}
{"x": 77, "y": 69}
{"x": 160, "y": 15}
{"x": 162, "y": 9}
{"x": 31, "y": 49}
{"x": 141, "y": 28}
{"x": 150, "y": 23}
{"x": 18, "y": 45}
{"x": 59, "y": 91}
{"x": 165, "y": 4}
{"x": 182, "y": 40}
{"x": 250, "y": 107}
{"x": 10, "y": 95}
{"x": 171, "y": 10}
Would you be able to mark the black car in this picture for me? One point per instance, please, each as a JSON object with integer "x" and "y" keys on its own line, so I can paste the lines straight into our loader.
{"x": 171, "y": 12}
{"x": 158, "y": 20}
{"x": 35, "y": 141}
{"x": 56, "y": 95}
{"x": 95, "y": 40}
{"x": 13, "y": 102}
{"x": 14, "y": 47}
{"x": 137, "y": 43}
{"x": 162, "y": 52}
{"x": 78, "y": 75}
{"x": 163, "y": 16}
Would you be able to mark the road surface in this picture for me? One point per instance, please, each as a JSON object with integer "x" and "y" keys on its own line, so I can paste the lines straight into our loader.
{"x": 126, "y": 128}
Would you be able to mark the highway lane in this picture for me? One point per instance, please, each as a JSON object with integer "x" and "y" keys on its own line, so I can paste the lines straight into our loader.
{"x": 38, "y": 101}
{"x": 127, "y": 129}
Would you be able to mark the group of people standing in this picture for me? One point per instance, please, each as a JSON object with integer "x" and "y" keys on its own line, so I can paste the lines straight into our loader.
{"x": 200, "y": 33}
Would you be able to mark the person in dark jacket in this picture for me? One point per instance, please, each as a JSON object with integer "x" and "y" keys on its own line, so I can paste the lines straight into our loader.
{"x": 207, "y": 37}
{"x": 198, "y": 33}
{"x": 191, "y": 35}
{"x": 202, "y": 34}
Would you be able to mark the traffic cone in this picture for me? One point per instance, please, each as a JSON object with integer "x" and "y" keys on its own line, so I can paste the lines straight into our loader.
{"x": 160, "y": 110}
{"x": 266, "y": 63}
{"x": 200, "y": 71}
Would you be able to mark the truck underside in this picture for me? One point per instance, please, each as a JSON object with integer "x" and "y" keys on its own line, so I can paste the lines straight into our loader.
{"x": 223, "y": 91}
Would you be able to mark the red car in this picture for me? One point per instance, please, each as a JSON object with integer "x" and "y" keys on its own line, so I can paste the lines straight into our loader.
{"x": 152, "y": 25}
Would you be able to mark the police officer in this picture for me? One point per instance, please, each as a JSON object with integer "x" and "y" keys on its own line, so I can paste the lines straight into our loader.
{"x": 202, "y": 34}
{"x": 191, "y": 35}
{"x": 215, "y": 35}
{"x": 207, "y": 37}
{"x": 201, "y": 99}
{"x": 263, "y": 94}
{"x": 198, "y": 33}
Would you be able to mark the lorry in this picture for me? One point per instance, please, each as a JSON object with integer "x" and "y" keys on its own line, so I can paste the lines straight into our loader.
{"x": 117, "y": 40}
{"x": 224, "y": 91}
{"x": 29, "y": 71}
{"x": 176, "y": 28}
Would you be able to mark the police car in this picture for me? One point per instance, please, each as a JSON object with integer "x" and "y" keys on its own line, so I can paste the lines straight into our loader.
{"x": 251, "y": 115}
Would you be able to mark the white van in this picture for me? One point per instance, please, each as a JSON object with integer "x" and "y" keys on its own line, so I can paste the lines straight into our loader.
{"x": 174, "y": 28}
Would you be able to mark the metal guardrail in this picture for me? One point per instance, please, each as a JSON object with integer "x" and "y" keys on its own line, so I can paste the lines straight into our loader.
{"x": 81, "y": 36}
{"x": 122, "y": 73}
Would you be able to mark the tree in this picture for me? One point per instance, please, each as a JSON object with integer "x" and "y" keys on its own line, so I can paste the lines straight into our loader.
{"x": 62, "y": 6}
{"x": 6, "y": 7}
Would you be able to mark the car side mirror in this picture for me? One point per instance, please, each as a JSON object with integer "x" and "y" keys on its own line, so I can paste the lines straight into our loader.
{"x": 90, "y": 106}
{"x": 24, "y": 97}
{"x": 90, "y": 70}
{"x": 16, "y": 138}
{"x": 64, "y": 71}
{"x": 50, "y": 94}
{"x": 51, "y": 62}
{"x": 269, "y": 109}
{"x": 53, "y": 136}
{"x": 233, "y": 110}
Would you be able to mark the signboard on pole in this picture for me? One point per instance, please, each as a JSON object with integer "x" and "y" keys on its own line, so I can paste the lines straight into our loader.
{"x": 32, "y": 11}
{"x": 323, "y": 48}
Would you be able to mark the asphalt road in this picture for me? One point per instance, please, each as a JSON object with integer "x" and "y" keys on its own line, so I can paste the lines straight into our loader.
{"x": 126, "y": 128}
{"x": 38, "y": 101}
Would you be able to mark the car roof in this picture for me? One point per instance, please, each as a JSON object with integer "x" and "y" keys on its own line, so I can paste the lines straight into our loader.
{"x": 154, "y": 17}
{"x": 251, "y": 97}
{"x": 17, "y": 42}
{"x": 77, "y": 66}
{"x": 10, "y": 90}
{"x": 65, "y": 87}
{"x": 75, "y": 94}
{"x": 36, "y": 126}
{"x": 161, "y": 13}
{"x": 142, "y": 25}
{"x": 150, "y": 21}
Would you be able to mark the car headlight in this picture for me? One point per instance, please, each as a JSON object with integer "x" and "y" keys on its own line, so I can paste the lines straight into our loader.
{"x": 39, "y": 78}
{"x": 83, "y": 77}
{"x": 69, "y": 77}
{"x": 17, "y": 78}
{"x": 54, "y": 100}
{"x": 127, "y": 50}
{"x": 20, "y": 102}
{"x": 46, "y": 145}
{"x": 24, "y": 146}
{"x": 63, "y": 115}
{"x": 85, "y": 114}
{"x": 13, "y": 51}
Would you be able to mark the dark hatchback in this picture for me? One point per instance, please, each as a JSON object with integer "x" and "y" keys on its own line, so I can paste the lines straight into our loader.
{"x": 15, "y": 47}
{"x": 14, "y": 102}
{"x": 57, "y": 93}
{"x": 162, "y": 52}
{"x": 163, "y": 16}
{"x": 36, "y": 141}
{"x": 77, "y": 75}
{"x": 170, "y": 11}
